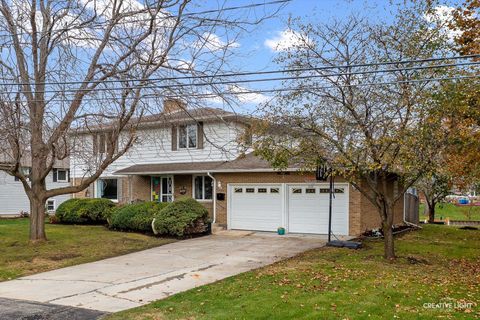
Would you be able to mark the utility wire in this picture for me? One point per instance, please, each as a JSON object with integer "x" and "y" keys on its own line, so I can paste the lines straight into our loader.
{"x": 401, "y": 62}
{"x": 187, "y": 14}
{"x": 300, "y": 88}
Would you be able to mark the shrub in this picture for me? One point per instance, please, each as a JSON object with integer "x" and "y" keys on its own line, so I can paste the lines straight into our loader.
{"x": 84, "y": 211}
{"x": 182, "y": 217}
{"x": 135, "y": 217}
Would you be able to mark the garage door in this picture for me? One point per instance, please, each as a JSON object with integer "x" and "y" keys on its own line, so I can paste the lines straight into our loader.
{"x": 255, "y": 207}
{"x": 308, "y": 209}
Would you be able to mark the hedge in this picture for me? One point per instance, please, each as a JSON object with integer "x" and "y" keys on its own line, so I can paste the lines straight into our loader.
{"x": 84, "y": 211}
{"x": 183, "y": 217}
{"x": 135, "y": 217}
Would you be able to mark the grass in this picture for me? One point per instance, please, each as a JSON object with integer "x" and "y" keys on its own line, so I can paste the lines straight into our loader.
{"x": 436, "y": 264}
{"x": 67, "y": 245}
{"x": 451, "y": 211}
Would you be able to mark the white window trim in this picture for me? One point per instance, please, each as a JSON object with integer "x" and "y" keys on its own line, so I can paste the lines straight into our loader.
{"x": 66, "y": 175}
{"x": 203, "y": 188}
{"x": 54, "y": 205}
{"x": 95, "y": 188}
{"x": 161, "y": 191}
{"x": 186, "y": 145}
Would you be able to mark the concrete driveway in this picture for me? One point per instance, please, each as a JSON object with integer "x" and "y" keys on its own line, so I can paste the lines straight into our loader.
{"x": 135, "y": 279}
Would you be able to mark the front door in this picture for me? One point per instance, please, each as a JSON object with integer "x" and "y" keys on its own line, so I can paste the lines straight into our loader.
{"x": 162, "y": 189}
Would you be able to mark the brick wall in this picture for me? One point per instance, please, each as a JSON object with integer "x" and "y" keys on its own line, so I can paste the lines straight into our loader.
{"x": 362, "y": 214}
{"x": 135, "y": 188}
{"x": 86, "y": 193}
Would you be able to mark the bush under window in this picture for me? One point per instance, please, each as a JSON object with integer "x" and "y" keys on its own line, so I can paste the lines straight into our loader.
{"x": 84, "y": 211}
{"x": 181, "y": 218}
{"x": 135, "y": 217}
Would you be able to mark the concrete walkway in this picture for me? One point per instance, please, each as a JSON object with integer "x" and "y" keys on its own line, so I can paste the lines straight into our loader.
{"x": 136, "y": 279}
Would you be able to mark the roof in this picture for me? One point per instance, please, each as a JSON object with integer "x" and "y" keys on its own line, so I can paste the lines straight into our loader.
{"x": 205, "y": 114}
{"x": 244, "y": 163}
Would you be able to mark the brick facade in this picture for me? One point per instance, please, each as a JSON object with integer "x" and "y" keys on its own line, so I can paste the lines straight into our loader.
{"x": 362, "y": 213}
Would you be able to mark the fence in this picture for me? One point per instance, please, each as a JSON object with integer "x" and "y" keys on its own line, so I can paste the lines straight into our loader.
{"x": 412, "y": 208}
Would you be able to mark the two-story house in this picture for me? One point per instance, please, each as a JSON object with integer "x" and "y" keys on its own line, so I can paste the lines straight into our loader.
{"x": 195, "y": 153}
{"x": 14, "y": 200}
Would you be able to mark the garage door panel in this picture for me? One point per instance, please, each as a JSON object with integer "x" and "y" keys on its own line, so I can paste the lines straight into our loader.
{"x": 258, "y": 210}
{"x": 308, "y": 212}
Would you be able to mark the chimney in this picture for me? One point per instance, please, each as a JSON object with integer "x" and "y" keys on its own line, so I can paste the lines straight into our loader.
{"x": 173, "y": 105}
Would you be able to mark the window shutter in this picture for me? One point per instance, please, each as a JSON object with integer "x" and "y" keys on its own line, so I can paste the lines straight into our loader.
{"x": 102, "y": 142}
{"x": 54, "y": 175}
{"x": 95, "y": 144}
{"x": 174, "y": 138}
{"x": 200, "y": 135}
{"x": 68, "y": 175}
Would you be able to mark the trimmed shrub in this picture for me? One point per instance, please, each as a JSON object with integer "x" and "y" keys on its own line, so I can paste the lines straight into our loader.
{"x": 135, "y": 217}
{"x": 183, "y": 217}
{"x": 84, "y": 211}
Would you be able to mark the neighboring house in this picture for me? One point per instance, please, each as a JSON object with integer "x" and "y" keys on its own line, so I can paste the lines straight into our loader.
{"x": 14, "y": 200}
{"x": 196, "y": 154}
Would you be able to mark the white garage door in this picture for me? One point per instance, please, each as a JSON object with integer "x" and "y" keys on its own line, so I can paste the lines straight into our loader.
{"x": 255, "y": 207}
{"x": 308, "y": 209}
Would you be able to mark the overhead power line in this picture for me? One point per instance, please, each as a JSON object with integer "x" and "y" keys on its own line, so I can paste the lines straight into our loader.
{"x": 186, "y": 14}
{"x": 291, "y": 70}
{"x": 246, "y": 92}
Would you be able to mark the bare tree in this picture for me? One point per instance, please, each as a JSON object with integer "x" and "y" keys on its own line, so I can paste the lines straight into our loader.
{"x": 368, "y": 124}
{"x": 71, "y": 66}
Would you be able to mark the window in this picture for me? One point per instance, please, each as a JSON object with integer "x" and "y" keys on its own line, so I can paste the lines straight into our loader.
{"x": 324, "y": 190}
{"x": 339, "y": 190}
{"x": 162, "y": 189}
{"x": 62, "y": 175}
{"x": 238, "y": 190}
{"x": 250, "y": 190}
{"x": 296, "y": 190}
{"x": 274, "y": 190}
{"x": 50, "y": 205}
{"x": 203, "y": 188}
{"x": 187, "y": 136}
{"x": 107, "y": 189}
{"x": 310, "y": 190}
{"x": 262, "y": 190}
{"x": 26, "y": 172}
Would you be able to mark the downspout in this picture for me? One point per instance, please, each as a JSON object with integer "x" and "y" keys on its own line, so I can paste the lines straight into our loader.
{"x": 214, "y": 197}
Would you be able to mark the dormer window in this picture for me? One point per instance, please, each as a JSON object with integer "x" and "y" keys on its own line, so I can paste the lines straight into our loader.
{"x": 187, "y": 136}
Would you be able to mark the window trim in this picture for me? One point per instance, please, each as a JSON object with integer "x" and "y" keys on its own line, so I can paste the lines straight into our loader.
{"x": 203, "y": 188}
{"x": 54, "y": 205}
{"x": 96, "y": 189}
{"x": 186, "y": 145}
{"x": 66, "y": 175}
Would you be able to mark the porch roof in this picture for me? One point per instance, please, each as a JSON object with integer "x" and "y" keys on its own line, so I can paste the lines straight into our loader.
{"x": 244, "y": 163}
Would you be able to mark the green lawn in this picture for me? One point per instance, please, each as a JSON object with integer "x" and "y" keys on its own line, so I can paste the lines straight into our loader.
{"x": 451, "y": 211}
{"x": 67, "y": 245}
{"x": 436, "y": 264}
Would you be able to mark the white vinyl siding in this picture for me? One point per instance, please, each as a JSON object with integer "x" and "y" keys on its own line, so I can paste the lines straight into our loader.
{"x": 155, "y": 146}
{"x": 13, "y": 199}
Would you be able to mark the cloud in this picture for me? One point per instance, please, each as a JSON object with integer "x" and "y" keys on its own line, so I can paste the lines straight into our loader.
{"x": 245, "y": 95}
{"x": 441, "y": 16}
{"x": 287, "y": 39}
{"x": 213, "y": 42}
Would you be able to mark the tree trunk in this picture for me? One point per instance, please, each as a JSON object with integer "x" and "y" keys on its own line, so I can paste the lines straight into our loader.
{"x": 431, "y": 212}
{"x": 387, "y": 224}
{"x": 37, "y": 219}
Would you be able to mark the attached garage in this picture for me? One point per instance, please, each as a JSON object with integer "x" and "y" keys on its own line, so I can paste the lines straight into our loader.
{"x": 256, "y": 207}
{"x": 299, "y": 208}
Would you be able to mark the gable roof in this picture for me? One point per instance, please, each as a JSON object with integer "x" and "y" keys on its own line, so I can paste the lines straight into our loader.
{"x": 162, "y": 119}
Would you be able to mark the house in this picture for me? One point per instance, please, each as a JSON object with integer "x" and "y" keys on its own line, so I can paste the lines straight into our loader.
{"x": 195, "y": 153}
{"x": 14, "y": 200}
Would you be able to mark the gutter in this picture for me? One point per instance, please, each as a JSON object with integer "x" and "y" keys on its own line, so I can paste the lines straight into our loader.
{"x": 214, "y": 197}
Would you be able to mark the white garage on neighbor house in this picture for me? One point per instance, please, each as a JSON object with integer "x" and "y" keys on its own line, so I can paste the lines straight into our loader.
{"x": 299, "y": 208}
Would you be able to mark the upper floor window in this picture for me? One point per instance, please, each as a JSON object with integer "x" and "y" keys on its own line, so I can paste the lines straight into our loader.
{"x": 187, "y": 136}
{"x": 26, "y": 172}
